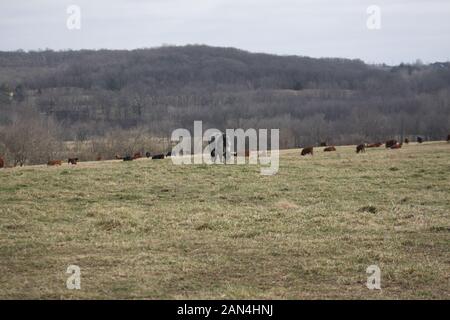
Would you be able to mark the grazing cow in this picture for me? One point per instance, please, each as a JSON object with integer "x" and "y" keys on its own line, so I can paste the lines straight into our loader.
{"x": 128, "y": 158}
{"x": 137, "y": 155}
{"x": 396, "y": 146}
{"x": 419, "y": 139}
{"x": 72, "y": 161}
{"x": 361, "y": 148}
{"x": 406, "y": 140}
{"x": 390, "y": 143}
{"x": 323, "y": 144}
{"x": 158, "y": 156}
{"x": 54, "y": 163}
{"x": 148, "y": 154}
{"x": 308, "y": 150}
{"x": 374, "y": 145}
{"x": 329, "y": 149}
{"x": 2, "y": 163}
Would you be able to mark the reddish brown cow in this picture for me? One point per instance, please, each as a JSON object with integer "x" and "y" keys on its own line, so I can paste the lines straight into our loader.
{"x": 329, "y": 149}
{"x": 374, "y": 145}
{"x": 137, "y": 155}
{"x": 390, "y": 143}
{"x": 308, "y": 150}
{"x": 361, "y": 148}
{"x": 54, "y": 163}
{"x": 2, "y": 162}
{"x": 396, "y": 146}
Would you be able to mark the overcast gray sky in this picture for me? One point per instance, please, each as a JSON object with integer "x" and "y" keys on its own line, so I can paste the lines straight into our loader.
{"x": 410, "y": 29}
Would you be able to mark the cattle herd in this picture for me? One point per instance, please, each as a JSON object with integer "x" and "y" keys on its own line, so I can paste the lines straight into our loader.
{"x": 361, "y": 148}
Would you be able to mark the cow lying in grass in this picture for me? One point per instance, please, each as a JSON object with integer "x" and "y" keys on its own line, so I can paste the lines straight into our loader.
{"x": 54, "y": 163}
{"x": 329, "y": 149}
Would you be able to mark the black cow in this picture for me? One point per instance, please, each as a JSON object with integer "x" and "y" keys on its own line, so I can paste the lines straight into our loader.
{"x": 158, "y": 156}
{"x": 419, "y": 139}
{"x": 128, "y": 158}
{"x": 148, "y": 154}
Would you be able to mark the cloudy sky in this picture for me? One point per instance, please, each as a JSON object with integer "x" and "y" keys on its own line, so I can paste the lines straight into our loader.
{"x": 410, "y": 29}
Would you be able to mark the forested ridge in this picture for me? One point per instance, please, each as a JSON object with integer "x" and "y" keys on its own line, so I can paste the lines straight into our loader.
{"x": 89, "y": 94}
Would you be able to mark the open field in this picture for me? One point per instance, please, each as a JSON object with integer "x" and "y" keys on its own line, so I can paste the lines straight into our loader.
{"x": 150, "y": 229}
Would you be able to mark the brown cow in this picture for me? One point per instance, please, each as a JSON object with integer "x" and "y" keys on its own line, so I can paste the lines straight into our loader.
{"x": 54, "y": 163}
{"x": 329, "y": 149}
{"x": 360, "y": 148}
{"x": 99, "y": 158}
{"x": 72, "y": 161}
{"x": 396, "y": 146}
{"x": 118, "y": 157}
{"x": 2, "y": 163}
{"x": 390, "y": 143}
{"x": 406, "y": 140}
{"x": 308, "y": 150}
{"x": 374, "y": 145}
{"x": 137, "y": 155}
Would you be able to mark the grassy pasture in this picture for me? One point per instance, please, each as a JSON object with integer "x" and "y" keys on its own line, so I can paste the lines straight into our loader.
{"x": 150, "y": 229}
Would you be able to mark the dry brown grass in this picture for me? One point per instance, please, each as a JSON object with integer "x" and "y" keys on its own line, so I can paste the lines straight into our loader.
{"x": 149, "y": 229}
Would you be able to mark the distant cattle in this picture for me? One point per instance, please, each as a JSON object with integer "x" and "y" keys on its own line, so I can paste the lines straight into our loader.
{"x": 128, "y": 158}
{"x": 137, "y": 155}
{"x": 361, "y": 148}
{"x": 390, "y": 143}
{"x": 329, "y": 149}
{"x": 169, "y": 154}
{"x": 118, "y": 157}
{"x": 72, "y": 161}
{"x": 99, "y": 158}
{"x": 448, "y": 138}
{"x": 419, "y": 139}
{"x": 308, "y": 150}
{"x": 374, "y": 145}
{"x": 148, "y": 154}
{"x": 323, "y": 144}
{"x": 158, "y": 156}
{"x": 54, "y": 163}
{"x": 406, "y": 140}
{"x": 396, "y": 146}
{"x": 2, "y": 163}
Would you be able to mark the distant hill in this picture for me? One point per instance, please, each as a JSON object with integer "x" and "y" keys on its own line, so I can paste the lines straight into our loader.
{"x": 92, "y": 92}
